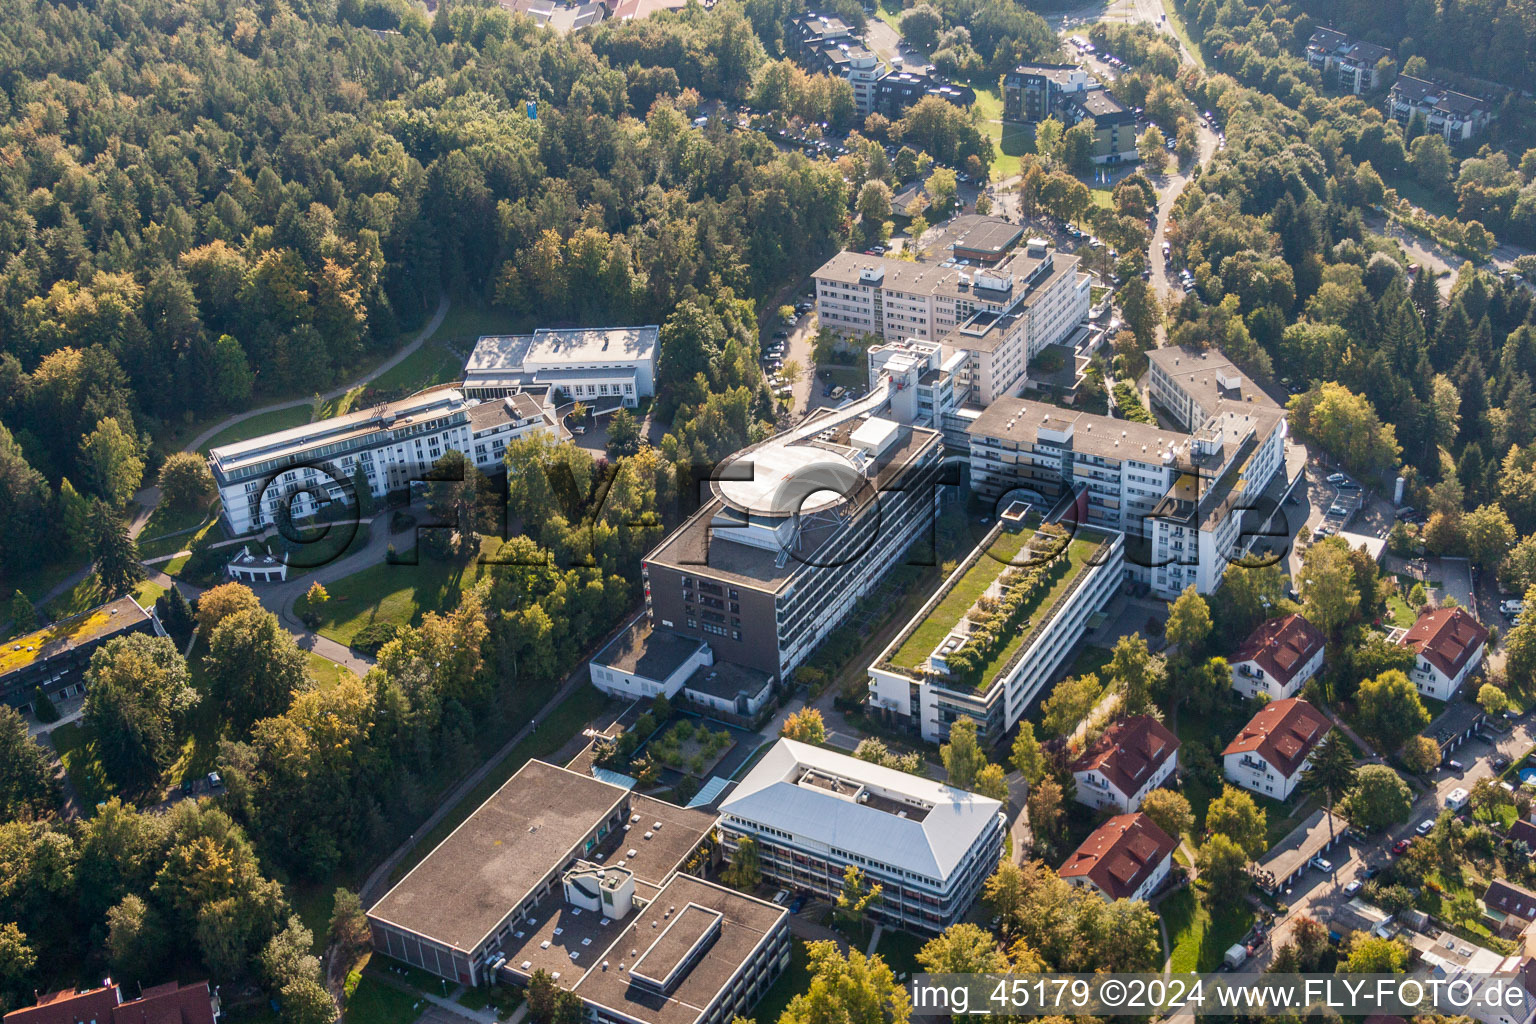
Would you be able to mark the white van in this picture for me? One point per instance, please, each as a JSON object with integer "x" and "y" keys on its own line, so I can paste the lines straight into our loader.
{"x": 1457, "y": 798}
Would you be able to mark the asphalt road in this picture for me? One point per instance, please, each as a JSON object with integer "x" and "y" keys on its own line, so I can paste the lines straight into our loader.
{"x": 1320, "y": 896}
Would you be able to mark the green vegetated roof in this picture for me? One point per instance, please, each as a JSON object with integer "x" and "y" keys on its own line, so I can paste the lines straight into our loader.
{"x": 983, "y": 569}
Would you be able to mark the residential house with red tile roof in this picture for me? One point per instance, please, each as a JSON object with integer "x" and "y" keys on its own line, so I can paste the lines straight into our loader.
{"x": 1448, "y": 645}
{"x": 1132, "y": 758}
{"x": 1270, "y": 754}
{"x": 170, "y": 1003}
{"x": 1278, "y": 658}
{"x": 1127, "y": 857}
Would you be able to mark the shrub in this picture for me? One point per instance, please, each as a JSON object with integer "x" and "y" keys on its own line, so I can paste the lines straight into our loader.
{"x": 374, "y": 636}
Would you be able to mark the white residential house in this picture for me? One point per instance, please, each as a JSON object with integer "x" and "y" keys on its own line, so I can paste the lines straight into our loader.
{"x": 1271, "y": 753}
{"x": 1127, "y": 857}
{"x": 1133, "y": 757}
{"x": 1278, "y": 658}
{"x": 1448, "y": 645}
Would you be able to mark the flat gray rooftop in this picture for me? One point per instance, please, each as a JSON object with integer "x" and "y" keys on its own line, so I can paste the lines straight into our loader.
{"x": 745, "y": 922}
{"x": 490, "y": 863}
{"x": 643, "y": 650}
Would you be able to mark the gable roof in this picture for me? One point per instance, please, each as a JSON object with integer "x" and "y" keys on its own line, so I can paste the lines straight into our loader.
{"x": 1510, "y": 899}
{"x": 168, "y": 1003}
{"x": 1120, "y": 855}
{"x": 1447, "y": 639}
{"x": 1523, "y": 831}
{"x": 1129, "y": 752}
{"x": 860, "y": 806}
{"x": 1283, "y": 733}
{"x": 1281, "y": 646}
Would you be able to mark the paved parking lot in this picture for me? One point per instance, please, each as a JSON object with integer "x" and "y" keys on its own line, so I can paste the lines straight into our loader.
{"x": 1319, "y": 896}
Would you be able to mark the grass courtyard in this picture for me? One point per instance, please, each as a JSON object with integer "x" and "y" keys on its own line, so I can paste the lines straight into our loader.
{"x": 1199, "y": 939}
{"x": 398, "y": 594}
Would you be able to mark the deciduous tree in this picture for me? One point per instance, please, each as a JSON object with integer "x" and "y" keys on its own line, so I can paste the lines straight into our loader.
{"x": 962, "y": 755}
{"x": 1379, "y": 798}
{"x": 1389, "y": 709}
{"x": 1235, "y": 815}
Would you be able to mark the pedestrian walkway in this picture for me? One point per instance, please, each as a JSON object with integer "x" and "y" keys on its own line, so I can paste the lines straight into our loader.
{"x": 486, "y": 1016}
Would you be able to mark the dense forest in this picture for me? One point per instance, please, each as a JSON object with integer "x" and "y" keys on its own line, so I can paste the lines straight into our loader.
{"x": 204, "y": 202}
{"x": 1489, "y": 39}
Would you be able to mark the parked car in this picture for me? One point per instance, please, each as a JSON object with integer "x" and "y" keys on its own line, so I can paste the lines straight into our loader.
{"x": 781, "y": 897}
{"x": 1455, "y": 765}
{"x": 1498, "y": 762}
{"x": 214, "y": 781}
{"x": 1337, "y": 478}
{"x": 1322, "y": 864}
{"x": 1406, "y": 512}
{"x": 1400, "y": 847}
{"x": 1353, "y": 887}
{"x": 1371, "y": 871}
{"x": 1511, "y": 607}
{"x": 1425, "y": 827}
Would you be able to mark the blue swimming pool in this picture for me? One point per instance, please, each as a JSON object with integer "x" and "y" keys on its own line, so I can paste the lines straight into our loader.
{"x": 1528, "y": 775}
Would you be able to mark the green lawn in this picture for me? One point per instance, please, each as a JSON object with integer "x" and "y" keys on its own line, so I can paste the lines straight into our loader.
{"x": 378, "y": 1003}
{"x": 795, "y": 979}
{"x": 959, "y": 600}
{"x": 396, "y": 594}
{"x": 1504, "y": 814}
{"x": 167, "y": 520}
{"x": 441, "y": 358}
{"x": 1398, "y": 611}
{"x": 554, "y": 730}
{"x": 1010, "y": 141}
{"x": 326, "y": 672}
{"x": 899, "y": 951}
{"x": 76, "y": 744}
{"x": 1198, "y": 939}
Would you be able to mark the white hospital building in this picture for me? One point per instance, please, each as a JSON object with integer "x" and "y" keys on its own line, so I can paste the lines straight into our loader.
{"x": 589, "y": 364}
{"x": 307, "y": 467}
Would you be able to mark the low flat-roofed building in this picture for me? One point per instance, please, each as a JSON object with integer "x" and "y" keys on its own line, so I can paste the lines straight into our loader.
{"x": 942, "y": 666}
{"x": 1288, "y": 858}
{"x": 647, "y": 661}
{"x": 698, "y": 953}
{"x": 1272, "y": 752}
{"x": 454, "y": 913}
{"x": 813, "y": 812}
{"x": 1278, "y": 658}
{"x": 1128, "y": 857}
{"x": 1130, "y": 759}
{"x": 1448, "y": 646}
{"x": 977, "y": 237}
{"x": 589, "y": 364}
{"x": 55, "y": 657}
